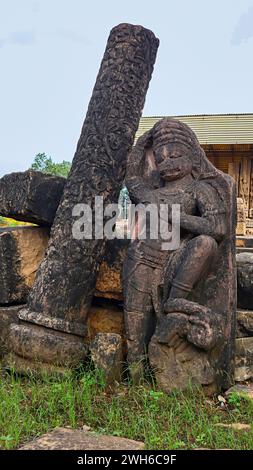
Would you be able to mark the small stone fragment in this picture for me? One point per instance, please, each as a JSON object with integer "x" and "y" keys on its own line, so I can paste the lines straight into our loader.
{"x": 107, "y": 355}
{"x": 235, "y": 426}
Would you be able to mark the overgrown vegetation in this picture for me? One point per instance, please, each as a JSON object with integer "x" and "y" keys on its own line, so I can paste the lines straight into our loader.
{"x": 30, "y": 407}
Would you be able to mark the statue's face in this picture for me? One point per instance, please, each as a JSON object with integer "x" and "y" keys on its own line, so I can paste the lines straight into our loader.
{"x": 174, "y": 161}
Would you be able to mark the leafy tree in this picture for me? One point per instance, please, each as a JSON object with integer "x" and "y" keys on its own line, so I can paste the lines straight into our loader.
{"x": 46, "y": 165}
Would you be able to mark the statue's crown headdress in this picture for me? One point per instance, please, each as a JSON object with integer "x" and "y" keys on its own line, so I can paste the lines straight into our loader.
{"x": 169, "y": 130}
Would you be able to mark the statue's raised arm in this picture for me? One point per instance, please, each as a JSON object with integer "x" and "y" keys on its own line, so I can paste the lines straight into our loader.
{"x": 142, "y": 176}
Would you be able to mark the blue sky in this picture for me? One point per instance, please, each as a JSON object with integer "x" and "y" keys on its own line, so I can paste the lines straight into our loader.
{"x": 50, "y": 52}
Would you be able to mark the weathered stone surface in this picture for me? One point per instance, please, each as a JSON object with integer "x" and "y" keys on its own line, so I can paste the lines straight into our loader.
{"x": 35, "y": 368}
{"x": 105, "y": 318}
{"x": 109, "y": 280}
{"x": 242, "y": 372}
{"x": 176, "y": 368}
{"x": 234, "y": 426}
{"x": 243, "y": 390}
{"x": 8, "y": 316}
{"x": 23, "y": 248}
{"x": 47, "y": 345}
{"x": 245, "y": 280}
{"x": 31, "y": 196}
{"x": 66, "y": 279}
{"x": 244, "y": 323}
{"x": 75, "y": 439}
{"x": 21, "y": 251}
{"x": 180, "y": 291}
{"x": 244, "y": 359}
{"x": 107, "y": 355}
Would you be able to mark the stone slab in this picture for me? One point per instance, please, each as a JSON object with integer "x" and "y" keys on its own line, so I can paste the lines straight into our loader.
{"x": 75, "y": 439}
{"x": 31, "y": 196}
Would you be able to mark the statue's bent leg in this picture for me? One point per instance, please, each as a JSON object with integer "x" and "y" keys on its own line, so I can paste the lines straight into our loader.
{"x": 138, "y": 332}
{"x": 199, "y": 255}
{"x": 139, "y": 318}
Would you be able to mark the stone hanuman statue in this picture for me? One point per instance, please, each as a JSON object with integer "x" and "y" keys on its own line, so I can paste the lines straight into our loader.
{"x": 167, "y": 165}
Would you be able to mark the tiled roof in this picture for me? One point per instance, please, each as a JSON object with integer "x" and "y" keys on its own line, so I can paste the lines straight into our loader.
{"x": 211, "y": 128}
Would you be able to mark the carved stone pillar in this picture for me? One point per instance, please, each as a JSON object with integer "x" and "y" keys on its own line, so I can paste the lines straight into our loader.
{"x": 60, "y": 299}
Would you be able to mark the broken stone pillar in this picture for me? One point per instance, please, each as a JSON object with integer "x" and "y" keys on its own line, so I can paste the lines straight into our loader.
{"x": 65, "y": 283}
{"x": 21, "y": 252}
{"x": 31, "y": 196}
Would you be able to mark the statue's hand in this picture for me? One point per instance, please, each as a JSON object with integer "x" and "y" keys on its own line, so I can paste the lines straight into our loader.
{"x": 155, "y": 179}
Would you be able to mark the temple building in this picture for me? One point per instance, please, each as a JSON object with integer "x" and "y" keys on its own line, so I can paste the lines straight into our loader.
{"x": 227, "y": 140}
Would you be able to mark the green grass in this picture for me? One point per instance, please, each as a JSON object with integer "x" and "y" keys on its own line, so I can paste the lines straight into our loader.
{"x": 30, "y": 407}
{"x": 7, "y": 222}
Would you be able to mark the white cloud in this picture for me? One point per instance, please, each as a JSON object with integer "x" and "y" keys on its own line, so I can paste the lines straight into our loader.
{"x": 244, "y": 28}
{"x": 21, "y": 38}
{"x": 72, "y": 36}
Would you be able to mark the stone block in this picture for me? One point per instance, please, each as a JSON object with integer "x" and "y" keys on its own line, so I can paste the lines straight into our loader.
{"x": 242, "y": 390}
{"x": 8, "y": 316}
{"x": 245, "y": 280}
{"x": 21, "y": 251}
{"x": 50, "y": 346}
{"x": 30, "y": 196}
{"x": 244, "y": 323}
{"x": 244, "y": 359}
{"x": 23, "y": 248}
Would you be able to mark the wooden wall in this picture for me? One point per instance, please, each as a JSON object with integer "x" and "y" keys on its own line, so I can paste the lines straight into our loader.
{"x": 237, "y": 161}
